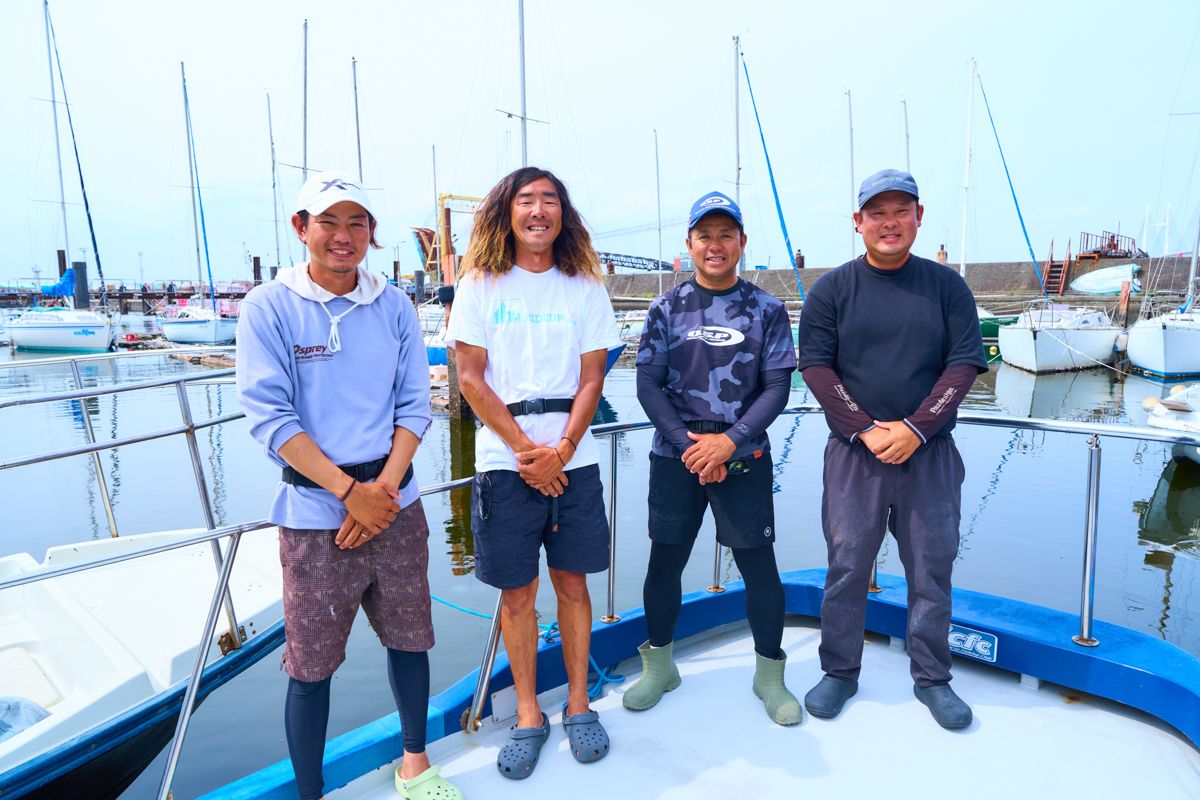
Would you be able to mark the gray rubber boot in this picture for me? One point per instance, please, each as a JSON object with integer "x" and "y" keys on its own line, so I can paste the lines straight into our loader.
{"x": 947, "y": 708}
{"x": 659, "y": 675}
{"x": 825, "y": 700}
{"x": 782, "y": 706}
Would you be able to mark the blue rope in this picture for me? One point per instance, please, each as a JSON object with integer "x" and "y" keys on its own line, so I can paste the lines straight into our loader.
{"x": 549, "y": 633}
{"x": 1013, "y": 191}
{"x": 774, "y": 190}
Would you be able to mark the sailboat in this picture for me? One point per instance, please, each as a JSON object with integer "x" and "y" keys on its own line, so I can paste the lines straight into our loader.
{"x": 62, "y": 327}
{"x": 1168, "y": 345}
{"x": 1048, "y": 336}
{"x": 196, "y": 324}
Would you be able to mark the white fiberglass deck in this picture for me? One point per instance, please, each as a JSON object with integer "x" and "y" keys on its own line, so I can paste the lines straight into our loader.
{"x": 710, "y": 738}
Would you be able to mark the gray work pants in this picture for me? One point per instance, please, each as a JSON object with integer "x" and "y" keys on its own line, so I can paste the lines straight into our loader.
{"x": 923, "y": 496}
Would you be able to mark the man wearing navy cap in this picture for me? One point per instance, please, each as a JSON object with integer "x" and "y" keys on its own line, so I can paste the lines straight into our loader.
{"x": 714, "y": 369}
{"x": 889, "y": 345}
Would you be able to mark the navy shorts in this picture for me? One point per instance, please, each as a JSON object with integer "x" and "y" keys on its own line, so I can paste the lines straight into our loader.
{"x": 742, "y": 504}
{"x": 511, "y": 523}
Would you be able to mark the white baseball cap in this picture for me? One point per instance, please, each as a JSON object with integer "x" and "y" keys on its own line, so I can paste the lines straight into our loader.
{"x": 328, "y": 188}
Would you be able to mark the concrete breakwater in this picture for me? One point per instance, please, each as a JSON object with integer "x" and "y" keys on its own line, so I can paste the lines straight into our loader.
{"x": 1006, "y": 282}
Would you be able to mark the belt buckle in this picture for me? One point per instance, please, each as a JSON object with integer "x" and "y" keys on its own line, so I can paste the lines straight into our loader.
{"x": 535, "y": 406}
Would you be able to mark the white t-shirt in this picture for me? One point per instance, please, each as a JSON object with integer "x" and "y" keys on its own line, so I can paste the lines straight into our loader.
{"x": 535, "y": 326}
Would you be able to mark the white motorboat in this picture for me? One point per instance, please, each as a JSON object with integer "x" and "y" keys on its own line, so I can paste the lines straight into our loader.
{"x": 66, "y": 329}
{"x": 1178, "y": 411}
{"x": 1054, "y": 337}
{"x": 197, "y": 325}
{"x": 111, "y": 664}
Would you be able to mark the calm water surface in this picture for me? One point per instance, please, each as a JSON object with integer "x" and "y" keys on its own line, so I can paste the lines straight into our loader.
{"x": 1022, "y": 529}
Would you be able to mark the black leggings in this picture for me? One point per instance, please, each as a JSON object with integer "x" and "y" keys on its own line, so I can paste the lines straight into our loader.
{"x": 663, "y": 591}
{"x": 306, "y": 716}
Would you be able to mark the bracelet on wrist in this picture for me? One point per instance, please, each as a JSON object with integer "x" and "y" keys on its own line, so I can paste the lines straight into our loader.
{"x": 349, "y": 489}
{"x": 572, "y": 441}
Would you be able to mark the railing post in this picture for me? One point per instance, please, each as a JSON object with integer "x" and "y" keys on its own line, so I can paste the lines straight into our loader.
{"x": 1090, "y": 519}
{"x": 470, "y": 720}
{"x": 235, "y": 638}
{"x": 873, "y": 587}
{"x": 611, "y": 615}
{"x": 189, "y": 695}
{"x": 91, "y": 439}
{"x": 716, "y": 587}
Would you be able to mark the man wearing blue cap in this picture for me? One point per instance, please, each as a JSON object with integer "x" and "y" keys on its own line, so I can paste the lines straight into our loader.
{"x": 889, "y": 345}
{"x": 714, "y": 369}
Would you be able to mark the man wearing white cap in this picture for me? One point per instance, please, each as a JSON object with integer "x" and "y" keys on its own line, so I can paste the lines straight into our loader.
{"x": 332, "y": 375}
{"x": 889, "y": 345}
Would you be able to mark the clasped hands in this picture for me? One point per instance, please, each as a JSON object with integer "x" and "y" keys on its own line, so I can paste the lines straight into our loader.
{"x": 891, "y": 442}
{"x": 370, "y": 509}
{"x": 708, "y": 455}
{"x": 542, "y": 467}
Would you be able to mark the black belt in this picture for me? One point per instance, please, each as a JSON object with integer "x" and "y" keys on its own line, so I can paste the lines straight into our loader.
{"x": 707, "y": 426}
{"x": 540, "y": 405}
{"x": 366, "y": 471}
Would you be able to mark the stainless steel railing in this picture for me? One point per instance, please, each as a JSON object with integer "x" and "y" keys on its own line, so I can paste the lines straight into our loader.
{"x": 1094, "y": 432}
{"x": 614, "y": 431}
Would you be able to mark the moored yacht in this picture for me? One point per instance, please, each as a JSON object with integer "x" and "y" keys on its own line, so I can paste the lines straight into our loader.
{"x": 1169, "y": 345}
{"x": 65, "y": 329}
{"x": 198, "y": 325}
{"x": 1054, "y": 337}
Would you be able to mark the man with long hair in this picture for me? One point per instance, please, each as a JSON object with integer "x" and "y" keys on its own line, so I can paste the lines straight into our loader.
{"x": 333, "y": 377}
{"x": 531, "y": 326}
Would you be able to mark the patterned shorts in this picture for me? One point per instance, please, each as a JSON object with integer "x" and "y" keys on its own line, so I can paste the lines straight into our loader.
{"x": 323, "y": 586}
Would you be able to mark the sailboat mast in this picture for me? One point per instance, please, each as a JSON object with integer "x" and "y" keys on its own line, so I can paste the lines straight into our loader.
{"x": 907, "y": 160}
{"x": 737, "y": 127}
{"x": 304, "y": 113}
{"x": 962, "y": 257}
{"x": 524, "y": 121}
{"x": 187, "y": 125}
{"x": 274, "y": 182}
{"x": 853, "y": 193}
{"x": 1191, "y": 284}
{"x": 357, "y": 129}
{"x": 62, "y": 195}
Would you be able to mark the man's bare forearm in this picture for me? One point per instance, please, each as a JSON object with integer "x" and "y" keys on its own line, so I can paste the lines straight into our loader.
{"x": 303, "y": 455}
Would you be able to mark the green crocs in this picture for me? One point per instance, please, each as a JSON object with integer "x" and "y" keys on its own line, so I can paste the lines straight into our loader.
{"x": 429, "y": 785}
{"x": 659, "y": 676}
{"x": 782, "y": 706}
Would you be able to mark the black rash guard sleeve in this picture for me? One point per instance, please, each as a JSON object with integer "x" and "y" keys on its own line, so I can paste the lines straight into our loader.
{"x": 651, "y": 378}
{"x": 777, "y": 385}
{"x": 939, "y": 407}
{"x": 841, "y": 410}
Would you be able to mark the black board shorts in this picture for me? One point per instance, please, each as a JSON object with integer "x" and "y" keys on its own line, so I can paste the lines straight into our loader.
{"x": 742, "y": 505}
{"x": 512, "y": 522}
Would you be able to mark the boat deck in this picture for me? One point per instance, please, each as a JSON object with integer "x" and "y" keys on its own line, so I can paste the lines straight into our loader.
{"x": 711, "y": 738}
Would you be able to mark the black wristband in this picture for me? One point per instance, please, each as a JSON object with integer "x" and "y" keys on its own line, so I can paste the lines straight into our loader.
{"x": 349, "y": 489}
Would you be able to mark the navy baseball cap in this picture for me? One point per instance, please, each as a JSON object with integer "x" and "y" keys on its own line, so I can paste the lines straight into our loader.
{"x": 886, "y": 180}
{"x": 714, "y": 201}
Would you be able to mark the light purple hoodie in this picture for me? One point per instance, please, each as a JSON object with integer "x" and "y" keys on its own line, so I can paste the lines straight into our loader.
{"x": 346, "y": 370}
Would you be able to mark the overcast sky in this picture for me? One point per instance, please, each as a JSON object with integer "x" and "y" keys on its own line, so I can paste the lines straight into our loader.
{"x": 1097, "y": 106}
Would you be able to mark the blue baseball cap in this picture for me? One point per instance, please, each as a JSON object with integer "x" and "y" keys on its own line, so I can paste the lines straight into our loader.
{"x": 886, "y": 180}
{"x": 714, "y": 201}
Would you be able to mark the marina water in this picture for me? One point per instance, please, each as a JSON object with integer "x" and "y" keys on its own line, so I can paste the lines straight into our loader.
{"x": 1022, "y": 525}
